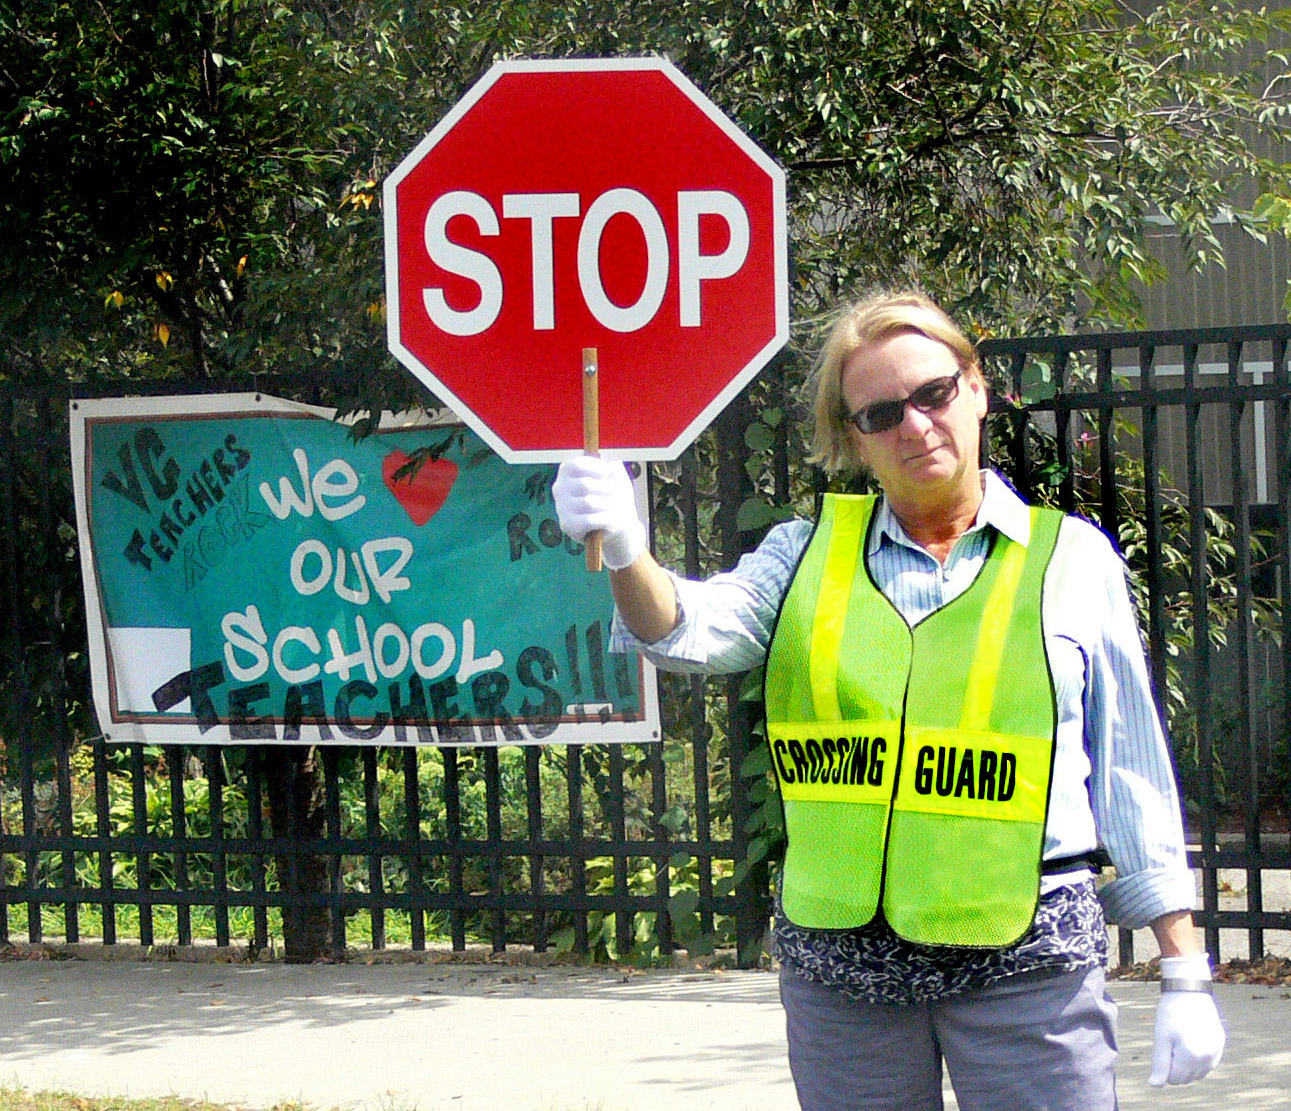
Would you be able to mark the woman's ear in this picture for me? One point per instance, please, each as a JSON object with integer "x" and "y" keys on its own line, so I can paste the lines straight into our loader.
{"x": 981, "y": 395}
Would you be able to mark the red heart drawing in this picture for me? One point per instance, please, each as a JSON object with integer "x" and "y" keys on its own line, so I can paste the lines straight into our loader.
{"x": 423, "y": 493}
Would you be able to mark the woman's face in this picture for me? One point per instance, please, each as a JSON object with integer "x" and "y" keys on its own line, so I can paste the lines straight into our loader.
{"x": 927, "y": 456}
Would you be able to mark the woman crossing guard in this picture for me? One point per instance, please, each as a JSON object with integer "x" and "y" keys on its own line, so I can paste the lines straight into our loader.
{"x": 960, "y": 717}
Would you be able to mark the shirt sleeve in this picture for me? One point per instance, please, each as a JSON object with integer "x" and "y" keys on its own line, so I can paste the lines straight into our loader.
{"x": 725, "y": 622}
{"x": 1132, "y": 784}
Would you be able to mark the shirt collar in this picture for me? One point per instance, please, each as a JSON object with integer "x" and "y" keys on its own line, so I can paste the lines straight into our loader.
{"x": 1001, "y": 509}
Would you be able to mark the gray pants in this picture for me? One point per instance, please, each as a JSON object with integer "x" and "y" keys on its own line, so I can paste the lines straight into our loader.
{"x": 1042, "y": 1041}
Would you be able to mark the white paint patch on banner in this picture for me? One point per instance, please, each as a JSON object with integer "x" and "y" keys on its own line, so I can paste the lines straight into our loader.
{"x": 144, "y": 659}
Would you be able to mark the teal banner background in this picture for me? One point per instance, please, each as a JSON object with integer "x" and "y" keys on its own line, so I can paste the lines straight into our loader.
{"x": 259, "y": 575}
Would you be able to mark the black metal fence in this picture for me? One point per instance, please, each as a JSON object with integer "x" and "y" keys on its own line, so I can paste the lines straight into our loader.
{"x": 1176, "y": 442}
{"x": 598, "y": 849}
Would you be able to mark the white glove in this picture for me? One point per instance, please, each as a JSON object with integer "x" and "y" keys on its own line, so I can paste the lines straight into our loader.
{"x": 595, "y": 495}
{"x": 1189, "y": 1037}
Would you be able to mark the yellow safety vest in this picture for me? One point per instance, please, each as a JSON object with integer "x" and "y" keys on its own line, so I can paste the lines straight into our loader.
{"x": 914, "y": 763}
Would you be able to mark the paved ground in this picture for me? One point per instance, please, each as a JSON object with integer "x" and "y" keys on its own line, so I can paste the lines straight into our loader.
{"x": 490, "y": 1037}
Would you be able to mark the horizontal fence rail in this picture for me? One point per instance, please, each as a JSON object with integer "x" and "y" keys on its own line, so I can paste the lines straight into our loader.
{"x": 1175, "y": 442}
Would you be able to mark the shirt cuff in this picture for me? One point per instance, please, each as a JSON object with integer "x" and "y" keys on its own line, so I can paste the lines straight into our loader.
{"x": 1137, "y": 901}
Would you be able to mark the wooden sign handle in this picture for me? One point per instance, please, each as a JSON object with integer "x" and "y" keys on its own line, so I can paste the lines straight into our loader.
{"x": 592, "y": 438}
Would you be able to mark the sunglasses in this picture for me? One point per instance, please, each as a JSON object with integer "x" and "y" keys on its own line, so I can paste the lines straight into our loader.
{"x": 884, "y": 415}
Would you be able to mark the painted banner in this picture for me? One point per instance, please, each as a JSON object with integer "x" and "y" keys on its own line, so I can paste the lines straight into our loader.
{"x": 255, "y": 574}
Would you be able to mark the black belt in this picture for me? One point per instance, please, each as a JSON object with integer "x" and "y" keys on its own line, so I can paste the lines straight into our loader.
{"x": 1094, "y": 861}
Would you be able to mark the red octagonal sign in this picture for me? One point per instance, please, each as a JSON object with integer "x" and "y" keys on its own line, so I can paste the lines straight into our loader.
{"x": 571, "y": 204}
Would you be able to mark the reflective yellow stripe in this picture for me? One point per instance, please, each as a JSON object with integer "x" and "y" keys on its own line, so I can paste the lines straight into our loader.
{"x": 984, "y": 671}
{"x": 975, "y": 774}
{"x": 838, "y": 761}
{"x": 837, "y": 576}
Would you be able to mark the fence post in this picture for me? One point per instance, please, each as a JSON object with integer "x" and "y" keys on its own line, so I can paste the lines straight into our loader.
{"x": 733, "y": 486}
{"x": 295, "y": 790}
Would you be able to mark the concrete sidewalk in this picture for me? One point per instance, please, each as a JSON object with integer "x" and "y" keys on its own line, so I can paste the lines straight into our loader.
{"x": 491, "y": 1037}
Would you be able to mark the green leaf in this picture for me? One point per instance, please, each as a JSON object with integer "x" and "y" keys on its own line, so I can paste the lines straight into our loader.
{"x": 755, "y": 513}
{"x": 683, "y": 902}
{"x": 756, "y": 763}
{"x": 758, "y": 437}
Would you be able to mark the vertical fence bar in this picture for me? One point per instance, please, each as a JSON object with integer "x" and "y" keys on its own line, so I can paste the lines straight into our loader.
{"x": 30, "y": 833}
{"x": 533, "y": 815}
{"x": 142, "y": 857}
{"x": 103, "y": 827}
{"x": 733, "y": 486}
{"x": 752, "y": 909}
{"x": 1242, "y": 639}
{"x": 577, "y": 841}
{"x": 663, "y": 871}
{"x": 623, "y": 918}
{"x": 21, "y": 673}
{"x": 777, "y": 390}
{"x": 654, "y": 753}
{"x": 179, "y": 834}
{"x": 334, "y": 831}
{"x": 8, "y": 486}
{"x": 219, "y": 857}
{"x": 51, "y": 544}
{"x": 4, "y": 875}
{"x": 412, "y": 843}
{"x": 1020, "y": 420}
{"x": 1109, "y": 513}
{"x": 4, "y": 866}
{"x": 255, "y": 828}
{"x": 1283, "y": 427}
{"x": 1062, "y": 436}
{"x": 493, "y": 817}
{"x": 372, "y": 816}
{"x": 1200, "y": 587}
{"x": 67, "y": 855}
{"x": 1152, "y": 525}
{"x": 453, "y": 820}
{"x": 700, "y": 731}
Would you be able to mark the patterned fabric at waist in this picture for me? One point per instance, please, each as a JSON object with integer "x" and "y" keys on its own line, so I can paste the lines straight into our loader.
{"x": 874, "y": 965}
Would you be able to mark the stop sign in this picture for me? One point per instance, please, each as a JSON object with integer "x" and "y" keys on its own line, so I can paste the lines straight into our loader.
{"x": 563, "y": 205}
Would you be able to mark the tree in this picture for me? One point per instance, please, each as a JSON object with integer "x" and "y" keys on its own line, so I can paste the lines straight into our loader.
{"x": 193, "y": 185}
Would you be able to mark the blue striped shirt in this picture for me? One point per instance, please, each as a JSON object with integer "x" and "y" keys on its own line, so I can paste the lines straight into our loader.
{"x": 1113, "y": 783}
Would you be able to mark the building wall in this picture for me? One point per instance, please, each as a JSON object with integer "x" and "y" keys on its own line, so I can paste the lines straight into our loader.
{"x": 1251, "y": 289}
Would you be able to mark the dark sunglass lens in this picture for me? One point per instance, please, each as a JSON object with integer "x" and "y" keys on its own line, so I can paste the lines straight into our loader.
{"x": 934, "y": 394}
{"x": 881, "y": 416}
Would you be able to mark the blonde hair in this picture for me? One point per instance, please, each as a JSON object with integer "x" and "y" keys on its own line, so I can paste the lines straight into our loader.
{"x": 867, "y": 322}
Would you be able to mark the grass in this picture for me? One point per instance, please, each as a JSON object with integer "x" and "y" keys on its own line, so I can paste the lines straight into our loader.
{"x": 165, "y": 926}
{"x": 18, "y": 1099}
